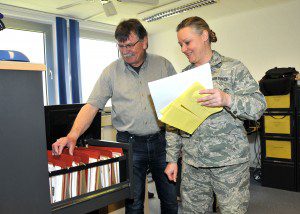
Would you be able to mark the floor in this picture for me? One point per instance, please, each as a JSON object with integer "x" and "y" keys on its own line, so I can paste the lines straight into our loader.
{"x": 266, "y": 200}
{"x": 263, "y": 200}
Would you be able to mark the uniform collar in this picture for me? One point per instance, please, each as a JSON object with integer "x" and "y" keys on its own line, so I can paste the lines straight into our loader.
{"x": 215, "y": 60}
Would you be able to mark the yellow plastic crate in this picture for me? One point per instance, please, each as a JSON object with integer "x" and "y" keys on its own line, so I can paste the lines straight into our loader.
{"x": 277, "y": 124}
{"x": 278, "y": 149}
{"x": 278, "y": 101}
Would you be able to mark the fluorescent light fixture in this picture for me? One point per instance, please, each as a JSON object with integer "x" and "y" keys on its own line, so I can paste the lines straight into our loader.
{"x": 141, "y": 1}
{"x": 178, "y": 10}
{"x": 108, "y": 8}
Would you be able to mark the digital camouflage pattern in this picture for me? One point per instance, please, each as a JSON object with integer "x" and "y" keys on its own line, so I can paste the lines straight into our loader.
{"x": 216, "y": 156}
{"x": 221, "y": 139}
{"x": 230, "y": 183}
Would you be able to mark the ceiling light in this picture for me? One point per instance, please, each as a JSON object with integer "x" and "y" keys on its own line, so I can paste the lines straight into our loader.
{"x": 179, "y": 10}
{"x": 141, "y": 1}
{"x": 108, "y": 8}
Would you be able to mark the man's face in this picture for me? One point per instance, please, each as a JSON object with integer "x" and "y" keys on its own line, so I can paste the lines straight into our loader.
{"x": 133, "y": 50}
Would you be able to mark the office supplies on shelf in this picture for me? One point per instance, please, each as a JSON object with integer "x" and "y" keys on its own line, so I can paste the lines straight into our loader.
{"x": 10, "y": 55}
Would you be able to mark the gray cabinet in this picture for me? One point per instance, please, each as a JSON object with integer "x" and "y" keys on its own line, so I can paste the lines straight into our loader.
{"x": 24, "y": 177}
{"x": 23, "y": 160}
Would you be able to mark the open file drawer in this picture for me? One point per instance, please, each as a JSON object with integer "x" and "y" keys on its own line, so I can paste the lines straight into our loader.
{"x": 102, "y": 197}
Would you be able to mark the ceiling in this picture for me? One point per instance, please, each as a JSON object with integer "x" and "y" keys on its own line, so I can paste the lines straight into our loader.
{"x": 92, "y": 10}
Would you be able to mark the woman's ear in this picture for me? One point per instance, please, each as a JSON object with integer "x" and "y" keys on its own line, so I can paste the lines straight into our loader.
{"x": 205, "y": 35}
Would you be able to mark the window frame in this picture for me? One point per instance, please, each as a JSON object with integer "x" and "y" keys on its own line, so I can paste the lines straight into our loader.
{"x": 46, "y": 29}
{"x": 96, "y": 35}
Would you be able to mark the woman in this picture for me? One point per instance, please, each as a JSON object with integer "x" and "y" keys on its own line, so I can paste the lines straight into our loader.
{"x": 216, "y": 156}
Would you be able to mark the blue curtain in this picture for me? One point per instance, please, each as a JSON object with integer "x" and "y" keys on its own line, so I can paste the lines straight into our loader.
{"x": 75, "y": 61}
{"x": 62, "y": 58}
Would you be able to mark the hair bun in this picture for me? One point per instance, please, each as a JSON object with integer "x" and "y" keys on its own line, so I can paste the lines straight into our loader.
{"x": 212, "y": 36}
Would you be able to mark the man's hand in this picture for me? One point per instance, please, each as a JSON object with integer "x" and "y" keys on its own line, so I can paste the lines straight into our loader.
{"x": 81, "y": 124}
{"x": 62, "y": 142}
{"x": 171, "y": 171}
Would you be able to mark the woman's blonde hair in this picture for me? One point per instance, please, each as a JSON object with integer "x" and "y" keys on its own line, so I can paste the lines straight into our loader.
{"x": 198, "y": 24}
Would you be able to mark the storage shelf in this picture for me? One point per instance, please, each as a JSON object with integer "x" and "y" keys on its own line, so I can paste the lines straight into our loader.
{"x": 278, "y": 170}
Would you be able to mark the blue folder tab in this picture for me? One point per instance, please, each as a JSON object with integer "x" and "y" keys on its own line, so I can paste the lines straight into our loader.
{"x": 7, "y": 55}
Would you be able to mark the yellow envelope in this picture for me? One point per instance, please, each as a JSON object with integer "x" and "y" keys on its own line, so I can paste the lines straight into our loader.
{"x": 185, "y": 113}
{"x": 189, "y": 100}
{"x": 180, "y": 118}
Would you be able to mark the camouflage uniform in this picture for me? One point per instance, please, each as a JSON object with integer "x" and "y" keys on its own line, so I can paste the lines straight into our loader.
{"x": 216, "y": 156}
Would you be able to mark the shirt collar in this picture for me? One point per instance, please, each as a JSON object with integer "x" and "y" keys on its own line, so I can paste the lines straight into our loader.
{"x": 128, "y": 67}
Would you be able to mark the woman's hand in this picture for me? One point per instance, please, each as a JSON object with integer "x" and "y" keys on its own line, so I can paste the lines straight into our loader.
{"x": 171, "y": 171}
{"x": 214, "y": 98}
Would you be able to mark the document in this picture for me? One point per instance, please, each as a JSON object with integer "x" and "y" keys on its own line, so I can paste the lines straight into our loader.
{"x": 105, "y": 169}
{"x": 164, "y": 91}
{"x": 175, "y": 98}
{"x": 91, "y": 179}
{"x": 66, "y": 185}
{"x": 93, "y": 172}
{"x": 58, "y": 184}
{"x": 185, "y": 113}
{"x": 115, "y": 152}
{"x": 82, "y": 175}
{"x": 55, "y": 184}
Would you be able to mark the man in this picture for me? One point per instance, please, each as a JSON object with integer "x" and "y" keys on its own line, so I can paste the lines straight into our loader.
{"x": 125, "y": 81}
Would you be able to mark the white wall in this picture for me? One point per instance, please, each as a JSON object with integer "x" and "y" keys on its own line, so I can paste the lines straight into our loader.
{"x": 261, "y": 39}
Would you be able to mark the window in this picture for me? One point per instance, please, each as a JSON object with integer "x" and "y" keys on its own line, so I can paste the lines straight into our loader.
{"x": 35, "y": 40}
{"x": 33, "y": 48}
{"x": 95, "y": 55}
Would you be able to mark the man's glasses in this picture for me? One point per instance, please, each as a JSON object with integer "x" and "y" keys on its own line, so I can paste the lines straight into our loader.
{"x": 130, "y": 45}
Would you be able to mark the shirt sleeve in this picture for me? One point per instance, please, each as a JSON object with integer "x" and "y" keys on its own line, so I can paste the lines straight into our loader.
{"x": 174, "y": 144}
{"x": 170, "y": 68}
{"x": 102, "y": 90}
{"x": 247, "y": 102}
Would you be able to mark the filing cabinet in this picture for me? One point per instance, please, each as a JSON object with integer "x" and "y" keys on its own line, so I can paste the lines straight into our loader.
{"x": 280, "y": 150}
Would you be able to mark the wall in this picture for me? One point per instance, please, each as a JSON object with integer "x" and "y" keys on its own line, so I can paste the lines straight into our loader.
{"x": 261, "y": 39}
{"x": 108, "y": 132}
